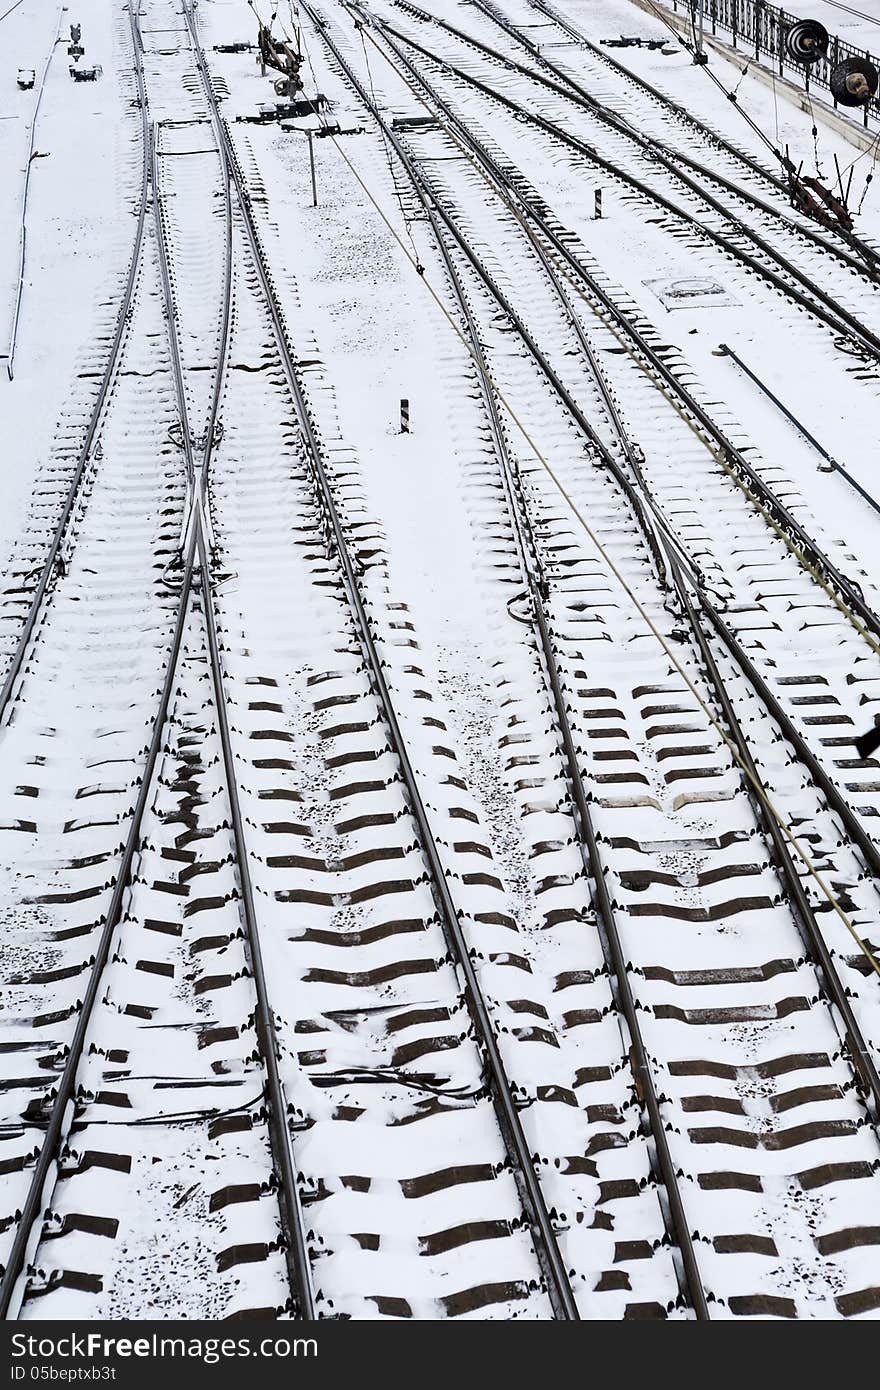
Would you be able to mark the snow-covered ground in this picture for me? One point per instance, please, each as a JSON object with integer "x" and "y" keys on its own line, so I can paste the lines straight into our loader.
{"x": 412, "y": 1200}
{"x": 85, "y": 178}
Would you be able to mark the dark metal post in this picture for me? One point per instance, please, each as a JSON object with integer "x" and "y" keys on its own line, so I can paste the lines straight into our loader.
{"x": 312, "y": 165}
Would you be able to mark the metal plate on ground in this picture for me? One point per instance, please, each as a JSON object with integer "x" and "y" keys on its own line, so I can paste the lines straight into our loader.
{"x": 690, "y": 292}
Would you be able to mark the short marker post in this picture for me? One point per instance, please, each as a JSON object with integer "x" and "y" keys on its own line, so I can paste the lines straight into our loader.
{"x": 312, "y": 166}
{"x": 598, "y": 198}
{"x": 404, "y": 416}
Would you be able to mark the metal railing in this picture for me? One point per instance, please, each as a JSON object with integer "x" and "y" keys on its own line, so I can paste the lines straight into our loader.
{"x": 761, "y": 29}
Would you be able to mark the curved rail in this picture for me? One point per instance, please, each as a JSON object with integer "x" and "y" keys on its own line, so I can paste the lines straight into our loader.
{"x": 532, "y": 1199}
{"x": 122, "y": 322}
{"x": 675, "y": 551}
{"x": 814, "y": 301}
{"x": 290, "y": 1208}
{"x": 804, "y": 918}
{"x": 869, "y": 254}
{"x": 28, "y": 1232}
{"x": 567, "y": 87}
{"x": 748, "y": 478}
{"x": 533, "y": 571}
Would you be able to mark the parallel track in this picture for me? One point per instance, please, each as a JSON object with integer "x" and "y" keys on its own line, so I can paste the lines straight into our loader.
{"x": 561, "y": 1294}
{"x": 677, "y": 565}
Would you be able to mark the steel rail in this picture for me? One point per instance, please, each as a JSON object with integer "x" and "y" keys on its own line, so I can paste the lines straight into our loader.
{"x": 802, "y": 912}
{"x": 859, "y": 14}
{"x": 683, "y": 112}
{"x": 869, "y": 254}
{"x": 679, "y": 559}
{"x": 531, "y": 1196}
{"x": 28, "y": 1234}
{"x": 22, "y": 235}
{"x": 821, "y": 305}
{"x": 837, "y": 802}
{"x": 123, "y": 320}
{"x": 748, "y": 477}
{"x": 852, "y": 825}
{"x": 645, "y": 1089}
{"x": 28, "y": 1231}
{"x": 573, "y": 92}
{"x": 290, "y": 1207}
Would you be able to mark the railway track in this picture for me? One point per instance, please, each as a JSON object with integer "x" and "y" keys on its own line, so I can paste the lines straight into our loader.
{"x": 639, "y": 165}
{"x": 518, "y": 1161}
{"x": 581, "y": 270}
{"x": 36, "y": 569}
{"x": 730, "y": 166}
{"x": 792, "y": 254}
{"x": 626, "y": 877}
{"x": 479, "y": 1115}
{"x": 84, "y": 1156}
{"x": 659, "y": 1099}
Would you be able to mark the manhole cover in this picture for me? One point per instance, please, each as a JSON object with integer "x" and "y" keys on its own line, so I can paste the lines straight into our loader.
{"x": 690, "y": 292}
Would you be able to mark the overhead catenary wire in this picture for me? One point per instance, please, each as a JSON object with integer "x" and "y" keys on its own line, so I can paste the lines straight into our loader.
{"x": 765, "y": 799}
{"x": 731, "y": 96}
{"x": 791, "y": 535}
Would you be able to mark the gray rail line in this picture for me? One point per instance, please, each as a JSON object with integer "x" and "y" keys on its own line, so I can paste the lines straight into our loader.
{"x": 810, "y": 298}
{"x": 532, "y": 1199}
{"x": 562, "y": 84}
{"x": 295, "y": 1247}
{"x": 28, "y": 1231}
{"x": 674, "y": 562}
{"x": 750, "y": 480}
{"x": 645, "y": 1087}
{"x": 869, "y": 254}
{"x": 641, "y": 500}
{"x": 123, "y": 317}
{"x": 196, "y": 561}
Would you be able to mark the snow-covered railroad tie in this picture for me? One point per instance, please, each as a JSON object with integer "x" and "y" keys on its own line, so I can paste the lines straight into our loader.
{"x": 641, "y": 866}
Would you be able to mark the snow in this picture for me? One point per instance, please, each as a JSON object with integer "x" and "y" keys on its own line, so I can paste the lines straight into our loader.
{"x": 410, "y": 1204}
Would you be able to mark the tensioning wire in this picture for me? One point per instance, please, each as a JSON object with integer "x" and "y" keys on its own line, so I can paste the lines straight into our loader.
{"x": 754, "y": 782}
{"x": 645, "y": 367}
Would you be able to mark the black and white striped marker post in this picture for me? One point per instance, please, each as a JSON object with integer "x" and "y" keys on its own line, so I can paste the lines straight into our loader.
{"x": 404, "y": 416}
{"x": 598, "y": 196}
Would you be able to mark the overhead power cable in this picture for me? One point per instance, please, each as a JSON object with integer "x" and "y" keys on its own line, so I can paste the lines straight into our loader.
{"x": 768, "y": 804}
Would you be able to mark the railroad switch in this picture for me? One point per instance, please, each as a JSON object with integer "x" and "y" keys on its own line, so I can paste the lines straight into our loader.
{"x": 624, "y": 42}
{"x": 287, "y": 110}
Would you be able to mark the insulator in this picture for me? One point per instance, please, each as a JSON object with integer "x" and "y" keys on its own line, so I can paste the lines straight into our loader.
{"x": 807, "y": 41}
{"x": 854, "y": 82}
